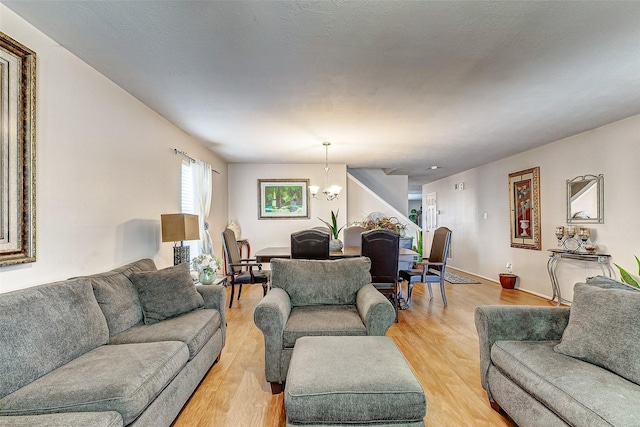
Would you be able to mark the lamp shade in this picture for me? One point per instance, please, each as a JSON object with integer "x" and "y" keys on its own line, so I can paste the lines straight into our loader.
{"x": 179, "y": 227}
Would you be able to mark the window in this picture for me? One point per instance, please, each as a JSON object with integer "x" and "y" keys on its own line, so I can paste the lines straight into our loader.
{"x": 188, "y": 203}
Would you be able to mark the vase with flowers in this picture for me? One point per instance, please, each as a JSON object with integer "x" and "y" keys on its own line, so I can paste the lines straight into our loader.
{"x": 386, "y": 223}
{"x": 206, "y": 266}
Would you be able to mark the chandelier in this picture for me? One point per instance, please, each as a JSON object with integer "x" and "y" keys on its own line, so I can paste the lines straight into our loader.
{"x": 330, "y": 191}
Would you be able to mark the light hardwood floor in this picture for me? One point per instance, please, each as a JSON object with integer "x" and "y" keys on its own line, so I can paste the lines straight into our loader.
{"x": 440, "y": 343}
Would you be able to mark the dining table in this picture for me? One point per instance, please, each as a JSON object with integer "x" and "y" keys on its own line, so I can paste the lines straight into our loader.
{"x": 267, "y": 254}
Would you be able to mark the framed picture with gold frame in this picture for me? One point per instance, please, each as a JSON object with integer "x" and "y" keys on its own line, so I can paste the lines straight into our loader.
{"x": 283, "y": 199}
{"x": 17, "y": 152}
{"x": 524, "y": 202}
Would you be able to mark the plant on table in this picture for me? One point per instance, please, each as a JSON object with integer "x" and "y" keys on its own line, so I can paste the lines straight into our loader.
{"x": 626, "y": 277}
{"x": 333, "y": 226}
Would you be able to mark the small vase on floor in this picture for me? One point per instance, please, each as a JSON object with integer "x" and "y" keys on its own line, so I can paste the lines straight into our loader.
{"x": 508, "y": 281}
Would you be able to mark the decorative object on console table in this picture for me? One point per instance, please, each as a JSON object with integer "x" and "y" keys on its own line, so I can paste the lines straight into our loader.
{"x": 178, "y": 228}
{"x": 569, "y": 242}
{"x": 524, "y": 202}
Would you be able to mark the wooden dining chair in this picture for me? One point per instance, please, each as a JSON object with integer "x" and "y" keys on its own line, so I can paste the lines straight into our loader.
{"x": 241, "y": 271}
{"x": 382, "y": 247}
{"x": 310, "y": 244}
{"x": 432, "y": 269}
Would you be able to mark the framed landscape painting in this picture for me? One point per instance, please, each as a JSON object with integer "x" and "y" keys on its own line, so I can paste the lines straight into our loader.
{"x": 283, "y": 199}
{"x": 524, "y": 202}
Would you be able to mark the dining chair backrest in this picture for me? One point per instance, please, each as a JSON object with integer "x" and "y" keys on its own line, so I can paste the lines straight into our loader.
{"x": 321, "y": 228}
{"x": 231, "y": 250}
{"x": 440, "y": 245}
{"x": 382, "y": 247}
{"x": 310, "y": 244}
{"x": 352, "y": 235}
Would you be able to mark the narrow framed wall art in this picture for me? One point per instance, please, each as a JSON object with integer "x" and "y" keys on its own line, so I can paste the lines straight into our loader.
{"x": 524, "y": 202}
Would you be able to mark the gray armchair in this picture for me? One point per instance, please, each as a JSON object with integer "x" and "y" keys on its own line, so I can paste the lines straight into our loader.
{"x": 317, "y": 298}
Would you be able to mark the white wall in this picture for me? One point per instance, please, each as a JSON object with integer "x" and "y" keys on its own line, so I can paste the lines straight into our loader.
{"x": 104, "y": 170}
{"x": 361, "y": 203}
{"x": 394, "y": 189}
{"x": 481, "y": 246}
{"x": 243, "y": 201}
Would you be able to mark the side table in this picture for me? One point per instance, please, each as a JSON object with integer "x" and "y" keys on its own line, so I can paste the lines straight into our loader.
{"x": 557, "y": 255}
{"x": 219, "y": 280}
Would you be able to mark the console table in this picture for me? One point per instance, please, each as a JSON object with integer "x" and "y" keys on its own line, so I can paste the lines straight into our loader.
{"x": 557, "y": 255}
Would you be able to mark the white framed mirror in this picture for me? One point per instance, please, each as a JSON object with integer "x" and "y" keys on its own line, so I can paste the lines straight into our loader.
{"x": 585, "y": 199}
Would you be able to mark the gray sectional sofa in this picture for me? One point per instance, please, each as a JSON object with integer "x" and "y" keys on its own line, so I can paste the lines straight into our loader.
{"x": 125, "y": 347}
{"x": 561, "y": 366}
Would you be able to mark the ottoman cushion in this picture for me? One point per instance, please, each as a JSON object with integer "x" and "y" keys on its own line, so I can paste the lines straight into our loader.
{"x": 351, "y": 380}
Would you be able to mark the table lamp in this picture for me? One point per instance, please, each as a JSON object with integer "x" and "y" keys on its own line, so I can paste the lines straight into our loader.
{"x": 178, "y": 228}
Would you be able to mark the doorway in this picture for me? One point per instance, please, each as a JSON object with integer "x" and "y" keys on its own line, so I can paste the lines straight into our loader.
{"x": 430, "y": 221}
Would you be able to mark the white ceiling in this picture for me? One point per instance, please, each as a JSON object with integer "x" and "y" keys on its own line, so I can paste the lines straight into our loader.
{"x": 398, "y": 85}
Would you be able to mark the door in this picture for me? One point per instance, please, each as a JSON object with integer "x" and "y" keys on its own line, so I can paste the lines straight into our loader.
{"x": 430, "y": 220}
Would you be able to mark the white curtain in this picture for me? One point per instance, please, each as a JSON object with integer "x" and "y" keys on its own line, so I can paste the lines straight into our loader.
{"x": 202, "y": 188}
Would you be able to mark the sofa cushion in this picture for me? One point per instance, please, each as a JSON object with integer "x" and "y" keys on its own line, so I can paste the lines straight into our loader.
{"x": 194, "y": 329}
{"x": 609, "y": 283}
{"x": 314, "y": 282}
{"x": 581, "y": 393}
{"x": 44, "y": 327}
{"x": 324, "y": 321}
{"x": 70, "y": 419}
{"x": 123, "y": 378}
{"x": 117, "y": 297}
{"x": 604, "y": 329}
{"x": 166, "y": 293}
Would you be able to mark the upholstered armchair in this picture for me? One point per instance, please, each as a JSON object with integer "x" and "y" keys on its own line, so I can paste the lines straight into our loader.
{"x": 317, "y": 298}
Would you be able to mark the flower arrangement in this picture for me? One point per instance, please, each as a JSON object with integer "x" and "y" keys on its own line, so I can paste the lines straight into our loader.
{"x": 385, "y": 223}
{"x": 206, "y": 263}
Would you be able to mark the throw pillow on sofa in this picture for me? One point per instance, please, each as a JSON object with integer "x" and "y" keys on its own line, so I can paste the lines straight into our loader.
{"x": 117, "y": 297}
{"x": 166, "y": 293}
{"x": 604, "y": 329}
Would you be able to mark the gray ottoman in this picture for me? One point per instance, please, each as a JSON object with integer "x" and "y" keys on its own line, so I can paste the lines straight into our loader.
{"x": 361, "y": 380}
